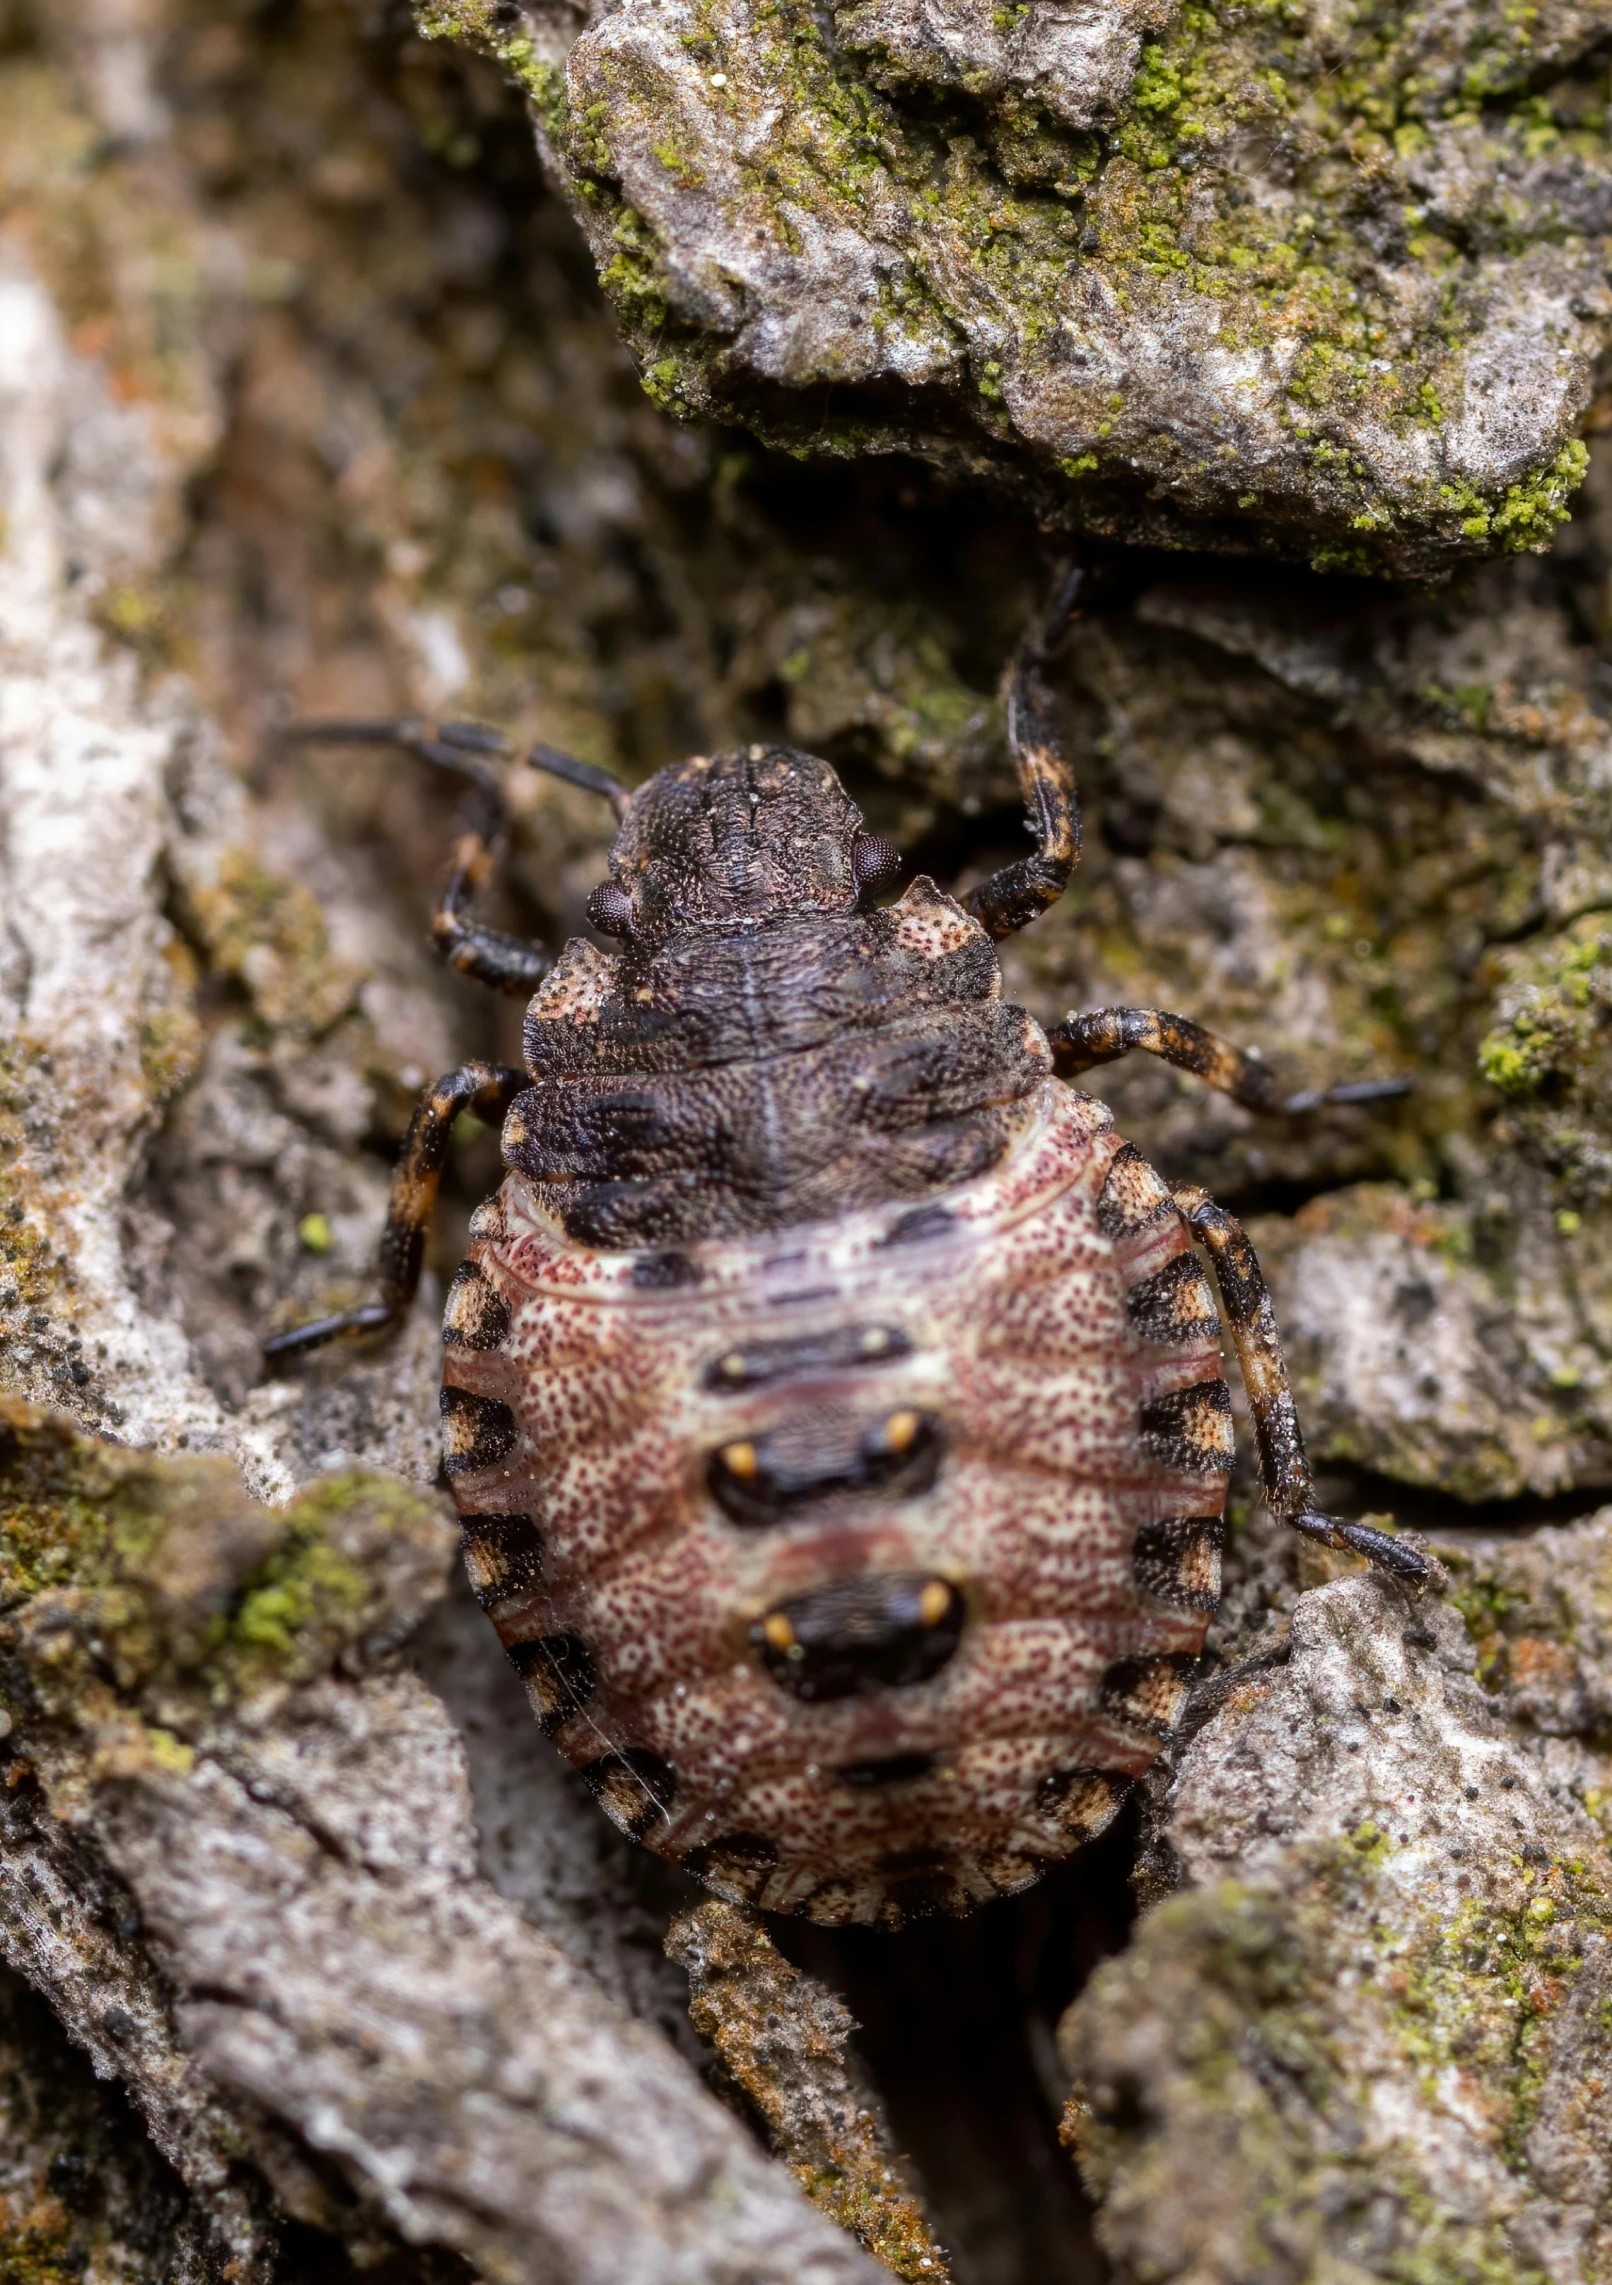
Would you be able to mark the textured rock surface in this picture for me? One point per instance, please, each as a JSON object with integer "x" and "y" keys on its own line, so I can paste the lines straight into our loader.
{"x": 312, "y": 405}
{"x": 1322, "y": 278}
{"x": 1371, "y": 2037}
{"x": 81, "y": 2190}
{"x": 206, "y": 1703}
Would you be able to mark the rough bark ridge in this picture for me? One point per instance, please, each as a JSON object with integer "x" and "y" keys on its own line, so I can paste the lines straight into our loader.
{"x": 309, "y": 402}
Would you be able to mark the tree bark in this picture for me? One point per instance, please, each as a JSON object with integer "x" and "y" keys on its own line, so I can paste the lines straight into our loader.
{"x": 315, "y": 1956}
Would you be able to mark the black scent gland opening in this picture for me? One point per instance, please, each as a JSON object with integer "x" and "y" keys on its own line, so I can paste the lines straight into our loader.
{"x": 875, "y": 862}
{"x": 476, "y": 1431}
{"x": 893, "y": 1769}
{"x": 610, "y": 910}
{"x": 559, "y": 1672}
{"x": 820, "y": 1455}
{"x": 881, "y": 1631}
{"x": 918, "y": 1224}
{"x": 664, "y": 1272}
{"x": 759, "y": 1364}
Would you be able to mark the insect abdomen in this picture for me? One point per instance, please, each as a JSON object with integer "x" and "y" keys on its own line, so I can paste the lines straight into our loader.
{"x": 855, "y": 1564}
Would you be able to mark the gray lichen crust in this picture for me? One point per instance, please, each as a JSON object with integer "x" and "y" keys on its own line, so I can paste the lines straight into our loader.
{"x": 1317, "y": 275}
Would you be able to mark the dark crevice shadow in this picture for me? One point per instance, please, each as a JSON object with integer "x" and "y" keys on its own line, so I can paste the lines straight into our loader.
{"x": 1349, "y": 1492}
{"x": 958, "y": 2021}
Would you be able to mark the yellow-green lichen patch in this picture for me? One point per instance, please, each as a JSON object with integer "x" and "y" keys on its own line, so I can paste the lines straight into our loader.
{"x": 1254, "y": 2021}
{"x": 267, "y": 932}
{"x": 163, "y": 1575}
{"x": 1002, "y": 260}
{"x": 1540, "y": 1612}
{"x": 1473, "y": 2000}
{"x": 1549, "y": 1058}
{"x": 76, "y": 1513}
{"x": 33, "y": 1273}
{"x": 869, "y": 680}
{"x": 1555, "y": 1012}
{"x": 350, "y": 1549}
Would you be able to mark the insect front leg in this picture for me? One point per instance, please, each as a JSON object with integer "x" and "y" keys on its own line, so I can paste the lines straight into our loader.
{"x": 1017, "y": 894}
{"x": 1082, "y": 1042}
{"x": 1283, "y": 1466}
{"x": 488, "y": 1089}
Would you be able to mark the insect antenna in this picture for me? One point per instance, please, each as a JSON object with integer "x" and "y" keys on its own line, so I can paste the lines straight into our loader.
{"x": 475, "y": 756}
{"x": 468, "y": 751}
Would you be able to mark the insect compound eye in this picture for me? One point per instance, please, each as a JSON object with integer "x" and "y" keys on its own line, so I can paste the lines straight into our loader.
{"x": 875, "y": 863}
{"x": 610, "y": 909}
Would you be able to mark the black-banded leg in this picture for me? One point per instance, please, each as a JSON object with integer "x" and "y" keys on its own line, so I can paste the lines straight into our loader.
{"x": 1017, "y": 894}
{"x": 488, "y": 1089}
{"x": 1283, "y": 1466}
{"x": 1081, "y": 1042}
{"x": 473, "y": 754}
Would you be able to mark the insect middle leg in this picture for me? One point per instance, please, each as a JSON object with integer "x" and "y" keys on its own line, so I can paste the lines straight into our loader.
{"x": 1283, "y": 1466}
{"x": 488, "y": 1089}
{"x": 1082, "y": 1042}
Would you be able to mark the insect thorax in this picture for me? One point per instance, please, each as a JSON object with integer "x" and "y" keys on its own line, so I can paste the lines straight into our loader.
{"x": 746, "y": 1078}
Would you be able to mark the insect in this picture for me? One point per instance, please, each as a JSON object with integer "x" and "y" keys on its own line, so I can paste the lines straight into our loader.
{"x": 832, "y": 1397}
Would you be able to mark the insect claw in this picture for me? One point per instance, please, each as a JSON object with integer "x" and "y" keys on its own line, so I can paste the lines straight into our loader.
{"x": 1352, "y": 1091}
{"x": 1380, "y": 1548}
{"x": 374, "y": 1317}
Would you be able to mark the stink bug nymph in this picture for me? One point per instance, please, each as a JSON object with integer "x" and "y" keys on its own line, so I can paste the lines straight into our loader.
{"x": 833, "y": 1399}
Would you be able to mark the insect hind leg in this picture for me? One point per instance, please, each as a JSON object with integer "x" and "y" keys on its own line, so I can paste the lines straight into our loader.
{"x": 1018, "y": 893}
{"x": 1283, "y": 1465}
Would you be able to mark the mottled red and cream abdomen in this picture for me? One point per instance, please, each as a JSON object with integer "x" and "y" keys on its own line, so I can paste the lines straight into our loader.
{"x": 855, "y": 1563}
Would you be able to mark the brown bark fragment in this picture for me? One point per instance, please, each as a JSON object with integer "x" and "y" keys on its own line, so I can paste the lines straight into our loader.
{"x": 784, "y": 2044}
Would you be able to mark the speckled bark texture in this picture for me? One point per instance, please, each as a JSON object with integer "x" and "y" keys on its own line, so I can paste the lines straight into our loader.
{"x": 310, "y": 402}
{"x": 1323, "y": 278}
